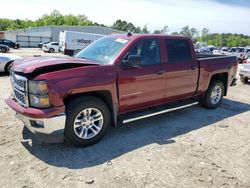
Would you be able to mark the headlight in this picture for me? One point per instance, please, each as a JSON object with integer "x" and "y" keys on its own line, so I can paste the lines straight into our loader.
{"x": 38, "y": 87}
{"x": 38, "y": 94}
{"x": 39, "y": 101}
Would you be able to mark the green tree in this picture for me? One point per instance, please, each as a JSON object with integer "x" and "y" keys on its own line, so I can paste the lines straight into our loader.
{"x": 194, "y": 32}
{"x": 125, "y": 26}
{"x": 189, "y": 32}
{"x": 185, "y": 31}
{"x": 145, "y": 29}
{"x": 175, "y": 33}
{"x": 225, "y": 39}
{"x": 165, "y": 29}
{"x": 204, "y": 31}
{"x": 157, "y": 31}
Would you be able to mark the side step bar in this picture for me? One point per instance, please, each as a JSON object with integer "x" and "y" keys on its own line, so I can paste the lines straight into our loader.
{"x": 158, "y": 113}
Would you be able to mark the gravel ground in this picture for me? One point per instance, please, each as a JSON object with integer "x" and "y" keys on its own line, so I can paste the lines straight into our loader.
{"x": 192, "y": 147}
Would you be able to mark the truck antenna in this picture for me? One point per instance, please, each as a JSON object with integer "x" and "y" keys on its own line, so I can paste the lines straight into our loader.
{"x": 129, "y": 33}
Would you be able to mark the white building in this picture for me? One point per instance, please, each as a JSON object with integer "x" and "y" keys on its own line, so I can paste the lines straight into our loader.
{"x": 30, "y": 37}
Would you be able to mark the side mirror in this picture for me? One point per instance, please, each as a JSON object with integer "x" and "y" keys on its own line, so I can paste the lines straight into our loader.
{"x": 133, "y": 61}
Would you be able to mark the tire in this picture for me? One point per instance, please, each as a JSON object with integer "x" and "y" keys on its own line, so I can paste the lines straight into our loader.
{"x": 3, "y": 50}
{"x": 51, "y": 50}
{"x": 214, "y": 95}
{"x": 244, "y": 79}
{"x": 7, "y": 67}
{"x": 80, "y": 123}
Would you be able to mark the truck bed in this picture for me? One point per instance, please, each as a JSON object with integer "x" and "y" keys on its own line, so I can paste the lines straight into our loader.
{"x": 210, "y": 64}
{"x": 201, "y": 56}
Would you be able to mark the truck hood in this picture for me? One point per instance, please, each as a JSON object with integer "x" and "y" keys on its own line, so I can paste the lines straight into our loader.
{"x": 49, "y": 64}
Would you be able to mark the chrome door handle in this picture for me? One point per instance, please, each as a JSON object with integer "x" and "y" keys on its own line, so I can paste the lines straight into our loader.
{"x": 193, "y": 67}
{"x": 160, "y": 72}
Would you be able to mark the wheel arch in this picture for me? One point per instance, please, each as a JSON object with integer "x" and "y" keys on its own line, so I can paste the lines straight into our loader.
{"x": 223, "y": 77}
{"x": 103, "y": 95}
{"x": 7, "y": 64}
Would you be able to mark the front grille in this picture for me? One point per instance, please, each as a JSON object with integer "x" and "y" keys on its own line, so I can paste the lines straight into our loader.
{"x": 20, "y": 97}
{"x": 19, "y": 85}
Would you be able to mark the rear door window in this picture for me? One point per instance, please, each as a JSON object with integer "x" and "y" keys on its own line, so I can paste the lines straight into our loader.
{"x": 178, "y": 50}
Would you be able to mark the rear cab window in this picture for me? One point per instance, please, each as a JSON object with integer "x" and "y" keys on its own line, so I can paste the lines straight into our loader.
{"x": 178, "y": 50}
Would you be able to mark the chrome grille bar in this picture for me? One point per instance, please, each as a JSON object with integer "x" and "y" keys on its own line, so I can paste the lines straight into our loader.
{"x": 20, "y": 89}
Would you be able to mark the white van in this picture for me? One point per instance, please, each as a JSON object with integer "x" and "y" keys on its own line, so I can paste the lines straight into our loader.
{"x": 71, "y": 42}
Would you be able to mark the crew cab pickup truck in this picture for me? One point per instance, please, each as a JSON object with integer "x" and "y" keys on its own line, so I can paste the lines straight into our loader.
{"x": 78, "y": 98}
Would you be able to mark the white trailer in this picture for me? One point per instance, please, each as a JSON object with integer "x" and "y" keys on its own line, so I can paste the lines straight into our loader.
{"x": 71, "y": 42}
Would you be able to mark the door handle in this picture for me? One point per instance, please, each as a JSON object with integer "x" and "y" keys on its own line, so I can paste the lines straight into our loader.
{"x": 193, "y": 67}
{"x": 160, "y": 72}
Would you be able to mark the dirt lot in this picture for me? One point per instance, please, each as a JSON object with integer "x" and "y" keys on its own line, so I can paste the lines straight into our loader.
{"x": 192, "y": 147}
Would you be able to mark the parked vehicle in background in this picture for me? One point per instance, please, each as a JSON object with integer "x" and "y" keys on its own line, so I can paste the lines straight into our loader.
{"x": 225, "y": 49}
{"x": 71, "y": 42}
{"x": 236, "y": 51}
{"x": 204, "y": 50}
{"x": 40, "y": 45}
{"x": 198, "y": 45}
{"x": 51, "y": 47}
{"x": 217, "y": 52}
{"x": 79, "y": 98}
{"x": 246, "y": 60}
{"x": 245, "y": 73}
{"x": 6, "y": 60}
{"x": 9, "y": 43}
{"x": 4, "y": 48}
{"x": 247, "y": 50}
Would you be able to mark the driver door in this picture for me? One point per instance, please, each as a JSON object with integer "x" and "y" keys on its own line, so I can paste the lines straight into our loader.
{"x": 144, "y": 85}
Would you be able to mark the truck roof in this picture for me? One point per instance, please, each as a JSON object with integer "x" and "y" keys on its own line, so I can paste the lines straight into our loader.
{"x": 139, "y": 36}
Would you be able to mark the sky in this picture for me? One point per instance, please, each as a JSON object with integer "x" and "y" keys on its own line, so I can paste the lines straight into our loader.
{"x": 228, "y": 16}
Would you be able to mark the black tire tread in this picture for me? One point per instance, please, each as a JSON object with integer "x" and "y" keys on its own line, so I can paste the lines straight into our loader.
{"x": 72, "y": 110}
{"x": 205, "y": 101}
{"x": 6, "y": 67}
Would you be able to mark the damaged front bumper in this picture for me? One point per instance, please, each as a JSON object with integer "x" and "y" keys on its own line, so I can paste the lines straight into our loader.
{"x": 46, "y": 124}
{"x": 46, "y": 129}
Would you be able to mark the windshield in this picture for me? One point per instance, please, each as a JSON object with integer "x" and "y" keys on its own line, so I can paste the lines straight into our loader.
{"x": 103, "y": 50}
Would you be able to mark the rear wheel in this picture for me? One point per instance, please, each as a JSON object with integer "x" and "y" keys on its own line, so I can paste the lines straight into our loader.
{"x": 3, "y": 50}
{"x": 214, "y": 95}
{"x": 87, "y": 121}
{"x": 244, "y": 79}
{"x": 51, "y": 50}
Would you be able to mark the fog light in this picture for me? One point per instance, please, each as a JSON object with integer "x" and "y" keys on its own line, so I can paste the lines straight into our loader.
{"x": 36, "y": 124}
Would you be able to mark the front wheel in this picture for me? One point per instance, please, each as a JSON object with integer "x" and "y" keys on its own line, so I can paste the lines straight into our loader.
{"x": 8, "y": 67}
{"x": 87, "y": 121}
{"x": 214, "y": 95}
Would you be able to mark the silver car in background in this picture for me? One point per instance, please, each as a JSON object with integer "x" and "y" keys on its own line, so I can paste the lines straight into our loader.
{"x": 245, "y": 73}
{"x": 6, "y": 60}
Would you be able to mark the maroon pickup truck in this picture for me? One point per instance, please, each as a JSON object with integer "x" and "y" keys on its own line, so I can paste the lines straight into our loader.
{"x": 79, "y": 98}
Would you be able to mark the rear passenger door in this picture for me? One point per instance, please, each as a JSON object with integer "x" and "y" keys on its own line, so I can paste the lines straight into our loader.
{"x": 182, "y": 69}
